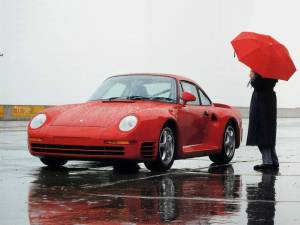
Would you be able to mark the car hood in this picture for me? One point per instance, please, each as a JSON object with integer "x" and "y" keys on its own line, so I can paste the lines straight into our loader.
{"x": 98, "y": 114}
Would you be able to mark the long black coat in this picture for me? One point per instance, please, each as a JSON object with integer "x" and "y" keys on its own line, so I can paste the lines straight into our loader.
{"x": 263, "y": 113}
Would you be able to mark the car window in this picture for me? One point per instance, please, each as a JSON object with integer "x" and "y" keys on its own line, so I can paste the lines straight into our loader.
{"x": 204, "y": 99}
{"x": 116, "y": 89}
{"x": 189, "y": 87}
{"x": 144, "y": 87}
{"x": 159, "y": 89}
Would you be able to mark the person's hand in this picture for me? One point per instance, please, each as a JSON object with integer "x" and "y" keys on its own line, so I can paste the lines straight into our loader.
{"x": 251, "y": 74}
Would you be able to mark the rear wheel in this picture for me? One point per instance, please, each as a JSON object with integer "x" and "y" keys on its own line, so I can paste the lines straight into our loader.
{"x": 166, "y": 152}
{"x": 228, "y": 148}
{"x": 53, "y": 162}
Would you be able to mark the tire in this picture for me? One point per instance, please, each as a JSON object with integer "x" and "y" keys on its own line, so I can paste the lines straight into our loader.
{"x": 165, "y": 152}
{"x": 53, "y": 162}
{"x": 228, "y": 148}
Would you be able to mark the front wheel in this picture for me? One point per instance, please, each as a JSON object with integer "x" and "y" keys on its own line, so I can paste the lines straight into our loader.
{"x": 228, "y": 148}
{"x": 166, "y": 152}
{"x": 53, "y": 162}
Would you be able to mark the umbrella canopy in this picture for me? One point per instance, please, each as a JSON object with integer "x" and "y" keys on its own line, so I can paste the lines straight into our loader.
{"x": 264, "y": 55}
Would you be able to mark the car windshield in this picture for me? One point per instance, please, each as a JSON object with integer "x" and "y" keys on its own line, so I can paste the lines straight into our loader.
{"x": 137, "y": 87}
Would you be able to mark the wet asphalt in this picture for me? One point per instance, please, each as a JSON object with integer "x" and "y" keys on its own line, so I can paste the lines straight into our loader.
{"x": 193, "y": 192}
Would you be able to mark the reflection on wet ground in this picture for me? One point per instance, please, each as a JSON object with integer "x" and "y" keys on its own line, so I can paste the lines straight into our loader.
{"x": 175, "y": 197}
{"x": 262, "y": 211}
{"x": 193, "y": 192}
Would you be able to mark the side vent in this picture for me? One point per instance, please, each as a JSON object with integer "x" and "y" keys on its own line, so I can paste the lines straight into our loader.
{"x": 147, "y": 150}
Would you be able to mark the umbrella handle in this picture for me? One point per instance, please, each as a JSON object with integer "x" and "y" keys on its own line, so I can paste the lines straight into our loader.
{"x": 249, "y": 82}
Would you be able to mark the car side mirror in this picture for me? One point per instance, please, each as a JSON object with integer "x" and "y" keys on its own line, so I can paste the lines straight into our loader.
{"x": 187, "y": 97}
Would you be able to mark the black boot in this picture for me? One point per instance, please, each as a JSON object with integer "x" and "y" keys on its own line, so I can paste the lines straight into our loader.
{"x": 266, "y": 167}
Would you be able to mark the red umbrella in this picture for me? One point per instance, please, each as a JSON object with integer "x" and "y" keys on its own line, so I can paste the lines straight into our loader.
{"x": 264, "y": 55}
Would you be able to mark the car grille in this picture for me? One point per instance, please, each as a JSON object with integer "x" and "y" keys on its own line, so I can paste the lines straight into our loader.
{"x": 147, "y": 150}
{"x": 78, "y": 149}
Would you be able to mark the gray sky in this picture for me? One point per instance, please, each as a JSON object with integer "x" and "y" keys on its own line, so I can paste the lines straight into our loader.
{"x": 59, "y": 51}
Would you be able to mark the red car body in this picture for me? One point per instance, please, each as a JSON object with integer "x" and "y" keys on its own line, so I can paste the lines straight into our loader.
{"x": 90, "y": 131}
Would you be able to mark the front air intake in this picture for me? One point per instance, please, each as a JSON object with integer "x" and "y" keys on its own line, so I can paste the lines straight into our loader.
{"x": 78, "y": 149}
{"x": 147, "y": 150}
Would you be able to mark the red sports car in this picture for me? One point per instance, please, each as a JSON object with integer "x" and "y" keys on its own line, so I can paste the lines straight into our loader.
{"x": 132, "y": 118}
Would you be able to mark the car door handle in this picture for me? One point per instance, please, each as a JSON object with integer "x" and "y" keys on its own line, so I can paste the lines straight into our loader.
{"x": 205, "y": 113}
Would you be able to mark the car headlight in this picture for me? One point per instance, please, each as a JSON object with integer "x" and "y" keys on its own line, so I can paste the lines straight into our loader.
{"x": 38, "y": 121}
{"x": 128, "y": 123}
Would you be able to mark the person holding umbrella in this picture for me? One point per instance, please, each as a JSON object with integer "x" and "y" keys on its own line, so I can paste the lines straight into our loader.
{"x": 263, "y": 120}
{"x": 269, "y": 61}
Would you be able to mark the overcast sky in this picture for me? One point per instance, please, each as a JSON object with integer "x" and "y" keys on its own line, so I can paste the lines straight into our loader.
{"x": 59, "y": 51}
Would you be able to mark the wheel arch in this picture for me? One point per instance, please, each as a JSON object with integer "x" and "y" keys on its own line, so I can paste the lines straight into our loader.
{"x": 234, "y": 123}
{"x": 174, "y": 126}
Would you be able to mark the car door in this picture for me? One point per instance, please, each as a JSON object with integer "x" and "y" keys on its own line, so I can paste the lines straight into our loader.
{"x": 211, "y": 118}
{"x": 192, "y": 119}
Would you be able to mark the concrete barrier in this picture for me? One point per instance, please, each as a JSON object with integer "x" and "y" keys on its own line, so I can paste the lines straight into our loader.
{"x": 26, "y": 112}
{"x": 281, "y": 112}
{"x": 2, "y": 109}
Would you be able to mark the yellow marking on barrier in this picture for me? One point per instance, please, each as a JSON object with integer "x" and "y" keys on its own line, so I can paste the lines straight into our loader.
{"x": 20, "y": 111}
{"x": 1, "y": 111}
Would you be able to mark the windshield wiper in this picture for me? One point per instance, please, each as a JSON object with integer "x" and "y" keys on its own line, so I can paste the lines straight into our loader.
{"x": 137, "y": 97}
{"x": 114, "y": 98}
{"x": 163, "y": 98}
{"x": 133, "y": 97}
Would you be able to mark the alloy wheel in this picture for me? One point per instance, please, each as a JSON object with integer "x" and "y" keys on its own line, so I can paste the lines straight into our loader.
{"x": 166, "y": 146}
{"x": 229, "y": 141}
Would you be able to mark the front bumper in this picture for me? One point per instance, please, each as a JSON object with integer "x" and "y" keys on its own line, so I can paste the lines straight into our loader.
{"x": 139, "y": 151}
{"x": 90, "y": 143}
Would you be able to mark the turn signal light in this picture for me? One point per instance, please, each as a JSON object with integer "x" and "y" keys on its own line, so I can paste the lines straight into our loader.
{"x": 35, "y": 139}
{"x": 117, "y": 142}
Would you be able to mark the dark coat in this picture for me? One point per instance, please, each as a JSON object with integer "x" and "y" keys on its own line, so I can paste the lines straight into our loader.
{"x": 263, "y": 113}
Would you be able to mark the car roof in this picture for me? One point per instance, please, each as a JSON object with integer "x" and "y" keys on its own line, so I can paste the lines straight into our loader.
{"x": 177, "y": 77}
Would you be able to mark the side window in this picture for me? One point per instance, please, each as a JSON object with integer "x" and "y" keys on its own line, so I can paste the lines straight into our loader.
{"x": 204, "y": 99}
{"x": 186, "y": 86}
